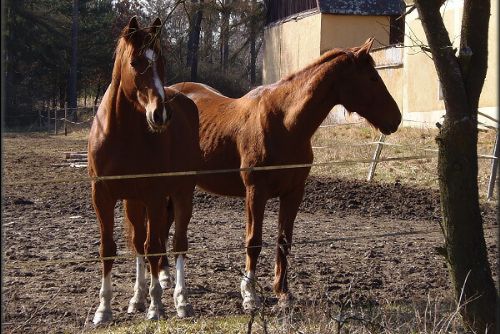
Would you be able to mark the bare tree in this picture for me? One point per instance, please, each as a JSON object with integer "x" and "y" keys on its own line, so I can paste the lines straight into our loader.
{"x": 194, "y": 38}
{"x": 74, "y": 57}
{"x": 462, "y": 79}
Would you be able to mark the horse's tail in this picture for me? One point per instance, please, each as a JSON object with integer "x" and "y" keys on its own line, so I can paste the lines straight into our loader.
{"x": 170, "y": 218}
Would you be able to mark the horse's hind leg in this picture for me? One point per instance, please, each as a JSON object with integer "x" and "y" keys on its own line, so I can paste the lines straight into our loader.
{"x": 104, "y": 207}
{"x": 183, "y": 207}
{"x": 166, "y": 280}
{"x": 289, "y": 205}
{"x": 255, "y": 205}
{"x": 135, "y": 215}
{"x": 157, "y": 215}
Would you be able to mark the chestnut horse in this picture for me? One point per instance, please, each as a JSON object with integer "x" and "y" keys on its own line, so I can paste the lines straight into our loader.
{"x": 142, "y": 127}
{"x": 273, "y": 125}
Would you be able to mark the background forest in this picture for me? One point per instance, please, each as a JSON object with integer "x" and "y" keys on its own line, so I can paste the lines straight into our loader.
{"x": 59, "y": 52}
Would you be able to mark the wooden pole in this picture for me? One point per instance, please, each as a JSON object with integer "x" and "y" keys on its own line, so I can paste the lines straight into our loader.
{"x": 66, "y": 118}
{"x": 376, "y": 155}
{"x": 48, "y": 120}
{"x": 494, "y": 168}
{"x": 55, "y": 121}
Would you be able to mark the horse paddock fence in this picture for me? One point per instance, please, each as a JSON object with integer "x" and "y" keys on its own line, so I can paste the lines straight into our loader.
{"x": 79, "y": 159}
{"x": 87, "y": 114}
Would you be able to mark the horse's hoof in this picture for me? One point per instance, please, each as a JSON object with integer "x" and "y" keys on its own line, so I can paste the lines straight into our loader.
{"x": 185, "y": 311}
{"x": 102, "y": 317}
{"x": 155, "y": 313}
{"x": 134, "y": 307}
{"x": 251, "y": 304}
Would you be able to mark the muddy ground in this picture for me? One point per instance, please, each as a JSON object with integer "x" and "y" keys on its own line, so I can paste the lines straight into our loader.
{"x": 378, "y": 238}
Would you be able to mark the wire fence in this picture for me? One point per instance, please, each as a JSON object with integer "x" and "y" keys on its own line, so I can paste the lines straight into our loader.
{"x": 373, "y": 162}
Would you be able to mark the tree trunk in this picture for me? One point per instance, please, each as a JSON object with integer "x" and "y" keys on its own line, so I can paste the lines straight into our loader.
{"x": 97, "y": 93}
{"x": 74, "y": 58}
{"x": 226, "y": 13}
{"x": 194, "y": 41}
{"x": 462, "y": 79}
{"x": 465, "y": 248}
{"x": 253, "y": 38}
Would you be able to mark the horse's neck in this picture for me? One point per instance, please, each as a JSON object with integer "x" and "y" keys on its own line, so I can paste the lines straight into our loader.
{"x": 307, "y": 98}
{"x": 120, "y": 115}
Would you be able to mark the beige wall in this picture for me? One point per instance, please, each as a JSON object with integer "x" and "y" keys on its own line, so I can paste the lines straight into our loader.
{"x": 343, "y": 31}
{"x": 290, "y": 46}
{"x": 294, "y": 44}
{"x": 421, "y": 100}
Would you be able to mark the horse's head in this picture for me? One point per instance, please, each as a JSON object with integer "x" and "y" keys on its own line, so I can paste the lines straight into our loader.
{"x": 142, "y": 71}
{"x": 363, "y": 91}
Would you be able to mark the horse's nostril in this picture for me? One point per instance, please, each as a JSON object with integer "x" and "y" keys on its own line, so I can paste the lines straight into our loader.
{"x": 157, "y": 117}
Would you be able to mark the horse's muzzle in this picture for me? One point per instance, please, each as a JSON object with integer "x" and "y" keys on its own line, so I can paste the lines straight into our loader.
{"x": 159, "y": 118}
{"x": 391, "y": 127}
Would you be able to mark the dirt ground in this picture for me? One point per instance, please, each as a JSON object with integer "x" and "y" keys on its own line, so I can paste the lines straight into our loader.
{"x": 378, "y": 238}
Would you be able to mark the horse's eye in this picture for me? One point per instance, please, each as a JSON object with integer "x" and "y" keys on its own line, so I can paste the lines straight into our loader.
{"x": 134, "y": 63}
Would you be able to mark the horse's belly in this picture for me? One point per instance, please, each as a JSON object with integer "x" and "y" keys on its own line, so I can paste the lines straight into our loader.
{"x": 227, "y": 184}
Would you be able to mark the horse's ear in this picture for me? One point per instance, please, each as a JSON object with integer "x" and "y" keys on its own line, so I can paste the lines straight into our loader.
{"x": 156, "y": 28}
{"x": 132, "y": 27}
{"x": 364, "y": 50}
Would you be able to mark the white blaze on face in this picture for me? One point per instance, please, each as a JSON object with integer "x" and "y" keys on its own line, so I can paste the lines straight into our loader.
{"x": 157, "y": 84}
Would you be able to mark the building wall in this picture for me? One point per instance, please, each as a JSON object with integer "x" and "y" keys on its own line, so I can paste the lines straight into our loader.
{"x": 344, "y": 31}
{"x": 290, "y": 46}
{"x": 421, "y": 88}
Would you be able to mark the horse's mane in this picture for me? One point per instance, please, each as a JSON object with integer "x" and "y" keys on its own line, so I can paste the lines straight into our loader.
{"x": 329, "y": 56}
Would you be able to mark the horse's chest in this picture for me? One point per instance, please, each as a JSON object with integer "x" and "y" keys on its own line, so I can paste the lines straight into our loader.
{"x": 115, "y": 156}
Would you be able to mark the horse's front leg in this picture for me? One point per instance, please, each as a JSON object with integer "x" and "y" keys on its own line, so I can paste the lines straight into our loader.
{"x": 289, "y": 205}
{"x": 104, "y": 207}
{"x": 157, "y": 215}
{"x": 135, "y": 216}
{"x": 183, "y": 207}
{"x": 166, "y": 280}
{"x": 255, "y": 205}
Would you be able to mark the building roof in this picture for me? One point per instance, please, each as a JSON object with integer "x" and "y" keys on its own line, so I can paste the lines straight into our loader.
{"x": 362, "y": 7}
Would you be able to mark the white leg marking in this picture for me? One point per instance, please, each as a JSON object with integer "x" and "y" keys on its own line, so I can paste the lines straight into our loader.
{"x": 103, "y": 313}
{"x": 156, "y": 310}
{"x": 138, "y": 301}
{"x": 184, "y": 309}
{"x": 251, "y": 300}
{"x": 166, "y": 280}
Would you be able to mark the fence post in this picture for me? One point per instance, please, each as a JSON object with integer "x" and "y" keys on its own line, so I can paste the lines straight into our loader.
{"x": 65, "y": 118}
{"x": 48, "y": 120}
{"x": 494, "y": 168}
{"x": 376, "y": 155}
{"x": 55, "y": 121}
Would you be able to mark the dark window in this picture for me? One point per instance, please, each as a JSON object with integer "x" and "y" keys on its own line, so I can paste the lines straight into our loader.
{"x": 397, "y": 30}
{"x": 280, "y": 9}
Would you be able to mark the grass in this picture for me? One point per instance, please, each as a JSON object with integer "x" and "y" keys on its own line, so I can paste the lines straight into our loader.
{"x": 229, "y": 324}
{"x": 320, "y": 316}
